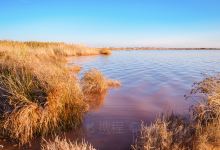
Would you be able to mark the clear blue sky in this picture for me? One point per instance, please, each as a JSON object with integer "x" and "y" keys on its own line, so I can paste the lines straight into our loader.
{"x": 168, "y": 23}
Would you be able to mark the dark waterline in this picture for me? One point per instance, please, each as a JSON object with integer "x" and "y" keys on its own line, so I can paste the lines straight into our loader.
{"x": 153, "y": 82}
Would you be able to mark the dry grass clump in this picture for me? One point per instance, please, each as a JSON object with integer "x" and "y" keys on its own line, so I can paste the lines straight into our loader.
{"x": 41, "y": 96}
{"x": 75, "y": 69}
{"x": 64, "y": 144}
{"x": 57, "y": 48}
{"x": 200, "y": 132}
{"x": 94, "y": 82}
{"x": 23, "y": 123}
{"x": 105, "y": 51}
{"x": 206, "y": 115}
{"x": 38, "y": 93}
{"x": 95, "y": 87}
{"x": 164, "y": 134}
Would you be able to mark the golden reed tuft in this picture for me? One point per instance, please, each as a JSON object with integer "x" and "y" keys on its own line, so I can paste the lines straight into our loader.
{"x": 105, "y": 51}
{"x": 94, "y": 82}
{"x": 39, "y": 95}
{"x": 64, "y": 144}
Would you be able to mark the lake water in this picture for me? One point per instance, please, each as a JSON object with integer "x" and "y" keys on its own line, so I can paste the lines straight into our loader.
{"x": 153, "y": 82}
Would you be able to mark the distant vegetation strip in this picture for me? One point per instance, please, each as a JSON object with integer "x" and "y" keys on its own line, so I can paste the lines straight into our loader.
{"x": 59, "y": 48}
{"x": 158, "y": 48}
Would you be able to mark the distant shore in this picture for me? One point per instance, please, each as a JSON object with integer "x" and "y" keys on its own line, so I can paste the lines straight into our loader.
{"x": 158, "y": 48}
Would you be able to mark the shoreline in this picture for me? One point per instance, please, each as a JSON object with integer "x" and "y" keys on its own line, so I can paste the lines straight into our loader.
{"x": 158, "y": 48}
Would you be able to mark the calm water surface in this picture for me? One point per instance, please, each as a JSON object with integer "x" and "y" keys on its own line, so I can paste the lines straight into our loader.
{"x": 153, "y": 82}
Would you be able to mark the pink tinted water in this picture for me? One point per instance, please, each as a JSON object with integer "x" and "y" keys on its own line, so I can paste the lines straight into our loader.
{"x": 153, "y": 82}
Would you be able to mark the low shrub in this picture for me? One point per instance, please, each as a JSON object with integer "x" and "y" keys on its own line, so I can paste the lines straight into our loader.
{"x": 64, "y": 144}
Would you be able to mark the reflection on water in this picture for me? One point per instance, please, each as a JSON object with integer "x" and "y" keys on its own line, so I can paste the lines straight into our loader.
{"x": 96, "y": 101}
{"x": 153, "y": 82}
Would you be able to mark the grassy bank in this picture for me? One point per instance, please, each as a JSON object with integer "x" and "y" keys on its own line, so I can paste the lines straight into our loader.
{"x": 39, "y": 95}
{"x": 57, "y": 48}
{"x": 200, "y": 132}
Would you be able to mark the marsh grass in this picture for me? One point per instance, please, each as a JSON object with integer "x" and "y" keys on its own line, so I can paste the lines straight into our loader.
{"x": 75, "y": 69}
{"x": 95, "y": 87}
{"x": 94, "y": 82}
{"x": 57, "y": 48}
{"x": 42, "y": 95}
{"x": 167, "y": 132}
{"x": 200, "y": 132}
{"x": 39, "y": 95}
{"x": 64, "y": 144}
{"x": 206, "y": 114}
{"x": 105, "y": 51}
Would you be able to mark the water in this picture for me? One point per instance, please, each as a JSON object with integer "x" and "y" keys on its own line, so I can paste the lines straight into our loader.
{"x": 153, "y": 82}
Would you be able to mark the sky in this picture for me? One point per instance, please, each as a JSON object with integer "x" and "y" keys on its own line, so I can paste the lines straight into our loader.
{"x": 118, "y": 23}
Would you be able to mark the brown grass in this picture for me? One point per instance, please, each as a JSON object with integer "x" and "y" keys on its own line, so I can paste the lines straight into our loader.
{"x": 94, "y": 82}
{"x": 64, "y": 144}
{"x": 105, "y": 51}
{"x": 42, "y": 96}
{"x": 167, "y": 132}
{"x": 57, "y": 48}
{"x": 75, "y": 69}
{"x": 200, "y": 132}
{"x": 60, "y": 49}
{"x": 39, "y": 95}
{"x": 95, "y": 87}
{"x": 206, "y": 114}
